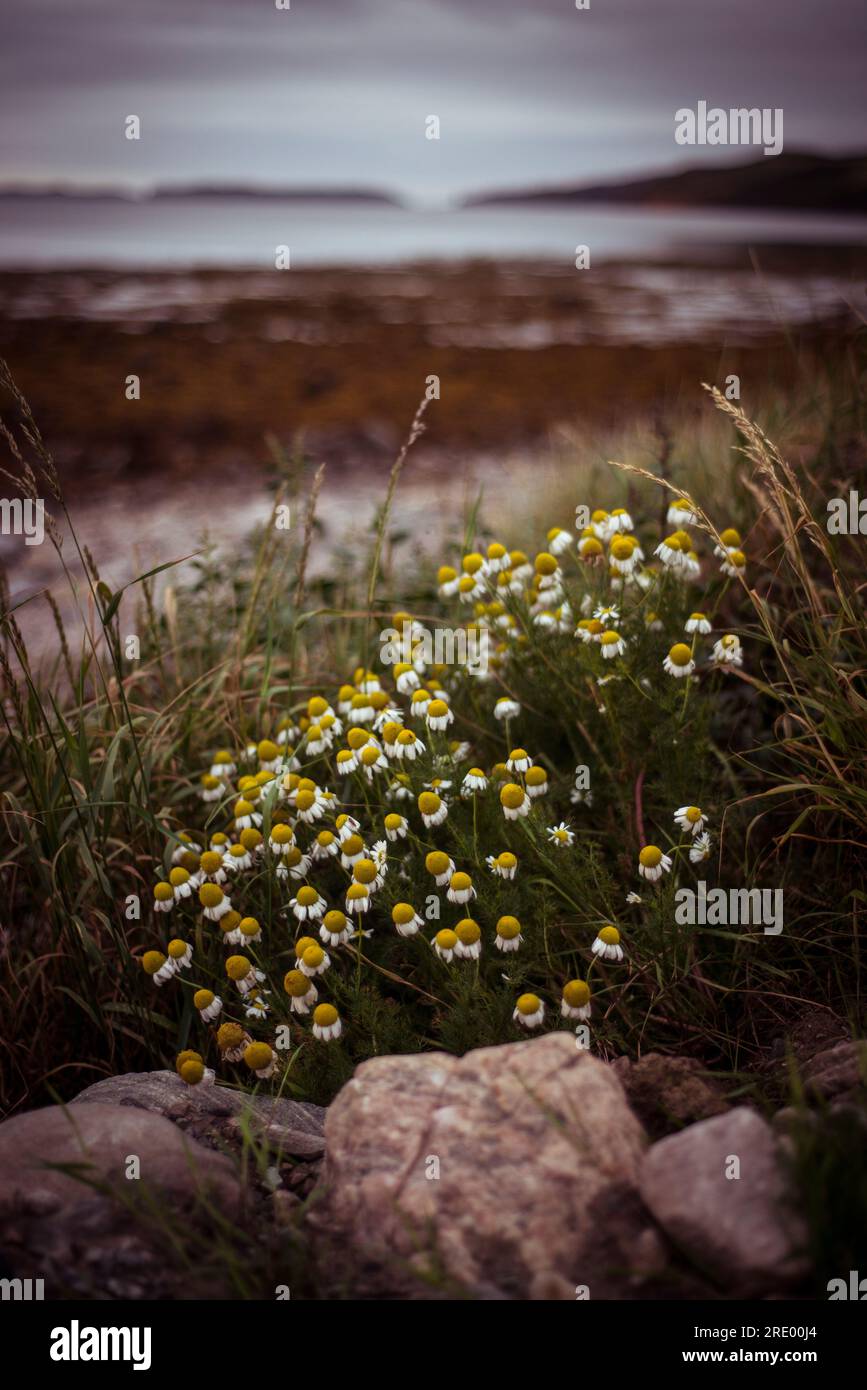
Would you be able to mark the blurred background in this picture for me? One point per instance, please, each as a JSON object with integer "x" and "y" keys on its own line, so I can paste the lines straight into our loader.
{"x": 309, "y": 128}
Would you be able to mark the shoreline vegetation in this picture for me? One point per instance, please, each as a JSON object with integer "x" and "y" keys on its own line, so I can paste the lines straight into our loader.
{"x": 105, "y": 778}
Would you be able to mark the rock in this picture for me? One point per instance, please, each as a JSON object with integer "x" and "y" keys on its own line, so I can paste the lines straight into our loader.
{"x": 838, "y": 1073}
{"x": 742, "y": 1232}
{"x": 78, "y": 1229}
{"x": 215, "y": 1114}
{"x": 506, "y": 1173}
{"x": 668, "y": 1093}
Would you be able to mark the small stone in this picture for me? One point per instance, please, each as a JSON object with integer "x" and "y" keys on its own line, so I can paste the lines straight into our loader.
{"x": 743, "y": 1232}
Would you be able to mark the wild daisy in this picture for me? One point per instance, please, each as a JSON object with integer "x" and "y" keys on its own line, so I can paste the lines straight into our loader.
{"x": 731, "y": 540}
{"x": 372, "y": 760}
{"x": 590, "y": 547}
{"x": 335, "y": 929}
{"x": 214, "y": 901}
{"x": 444, "y": 944}
{"x": 325, "y": 846}
{"x": 223, "y": 765}
{"x": 245, "y": 814}
{"x": 514, "y": 801}
{"x": 180, "y": 953}
{"x": 408, "y": 745}
{"x": 508, "y": 937}
{"x": 307, "y": 905}
{"x": 607, "y": 944}
{"x": 346, "y": 826}
{"x": 505, "y": 865}
{"x": 670, "y": 552}
{"x": 589, "y": 630}
{"x": 727, "y": 651}
{"x": 558, "y": 541}
{"x": 406, "y": 920}
{"x": 474, "y": 781}
{"x": 191, "y": 1068}
{"x": 182, "y": 885}
{"x": 160, "y": 969}
{"x": 362, "y": 709}
{"x": 249, "y": 930}
{"x": 301, "y": 990}
{"x": 438, "y": 715}
{"x": 243, "y": 973}
{"x": 327, "y": 1026}
{"x": 164, "y": 897}
{"x": 575, "y": 1002}
{"x": 652, "y": 863}
{"x": 690, "y": 818}
{"x": 357, "y": 900}
{"x": 679, "y": 662}
{"x": 561, "y": 835}
{"x": 208, "y": 1003}
{"x": 529, "y": 1011}
{"x": 697, "y": 622}
{"x": 440, "y": 866}
{"x": 518, "y": 760}
{"x": 734, "y": 564}
{"x": 232, "y": 1040}
{"x": 237, "y": 858}
{"x": 293, "y": 864}
{"x": 536, "y": 781}
{"x": 460, "y": 888}
{"x": 469, "y": 939}
{"x": 620, "y": 520}
{"x": 351, "y": 849}
{"x": 313, "y": 960}
{"x": 261, "y": 1059}
{"x": 308, "y": 805}
{"x": 506, "y": 708}
{"x": 396, "y": 826}
{"x": 681, "y": 513}
{"x": 211, "y": 788}
{"x": 433, "y": 809}
{"x": 367, "y": 872}
{"x": 612, "y": 644}
{"x": 520, "y": 566}
{"x": 700, "y": 848}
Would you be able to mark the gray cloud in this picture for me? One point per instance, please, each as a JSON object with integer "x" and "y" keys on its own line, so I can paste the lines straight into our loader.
{"x": 337, "y": 90}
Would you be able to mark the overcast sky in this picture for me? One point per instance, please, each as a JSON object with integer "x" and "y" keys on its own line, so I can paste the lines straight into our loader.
{"x": 337, "y": 91}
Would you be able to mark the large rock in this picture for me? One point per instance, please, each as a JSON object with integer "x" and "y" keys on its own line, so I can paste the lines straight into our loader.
{"x": 510, "y": 1172}
{"x": 214, "y": 1114}
{"x": 91, "y": 1230}
{"x": 742, "y": 1231}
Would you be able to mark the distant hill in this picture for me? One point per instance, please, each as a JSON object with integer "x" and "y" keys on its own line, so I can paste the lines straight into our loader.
{"x": 787, "y": 182}
{"x": 200, "y": 191}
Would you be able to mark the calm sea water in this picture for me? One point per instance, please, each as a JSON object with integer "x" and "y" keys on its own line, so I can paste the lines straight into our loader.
{"x": 58, "y": 232}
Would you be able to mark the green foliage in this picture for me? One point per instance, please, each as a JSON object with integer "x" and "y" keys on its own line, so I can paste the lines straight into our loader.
{"x": 102, "y": 759}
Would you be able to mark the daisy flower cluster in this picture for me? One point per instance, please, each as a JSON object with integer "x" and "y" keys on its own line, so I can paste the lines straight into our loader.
{"x": 407, "y": 829}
